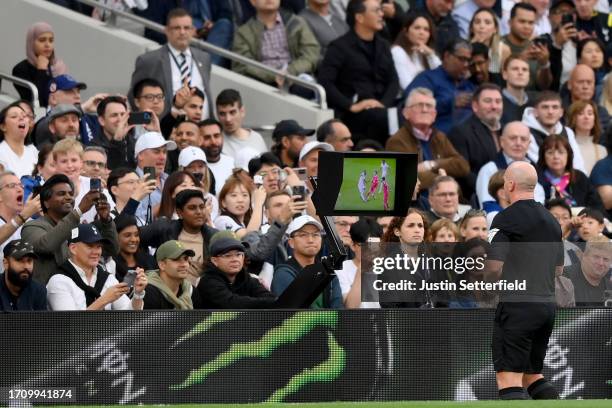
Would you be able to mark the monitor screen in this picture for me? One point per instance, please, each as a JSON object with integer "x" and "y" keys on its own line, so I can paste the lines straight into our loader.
{"x": 368, "y": 184}
{"x": 360, "y": 183}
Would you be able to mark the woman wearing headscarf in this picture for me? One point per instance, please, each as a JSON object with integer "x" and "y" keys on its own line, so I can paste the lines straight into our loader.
{"x": 40, "y": 65}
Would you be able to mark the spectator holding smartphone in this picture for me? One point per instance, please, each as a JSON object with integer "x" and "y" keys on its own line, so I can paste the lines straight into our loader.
{"x": 535, "y": 51}
{"x": 130, "y": 255}
{"x": 81, "y": 284}
{"x": 49, "y": 234}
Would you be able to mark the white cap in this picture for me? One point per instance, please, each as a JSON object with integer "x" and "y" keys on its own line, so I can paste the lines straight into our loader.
{"x": 152, "y": 140}
{"x": 310, "y": 146}
{"x": 244, "y": 156}
{"x": 190, "y": 154}
{"x": 299, "y": 223}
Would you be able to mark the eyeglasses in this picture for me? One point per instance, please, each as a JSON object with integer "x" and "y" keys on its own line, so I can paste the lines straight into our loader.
{"x": 93, "y": 163}
{"x": 152, "y": 97}
{"x": 11, "y": 186}
{"x": 313, "y": 235}
{"x": 231, "y": 255}
{"x": 130, "y": 182}
{"x": 465, "y": 60}
{"x": 423, "y": 106}
{"x": 449, "y": 194}
{"x": 273, "y": 172}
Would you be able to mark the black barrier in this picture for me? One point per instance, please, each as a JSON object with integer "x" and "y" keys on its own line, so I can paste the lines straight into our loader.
{"x": 302, "y": 356}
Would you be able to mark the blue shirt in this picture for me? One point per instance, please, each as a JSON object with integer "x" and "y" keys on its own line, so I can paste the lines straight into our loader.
{"x": 32, "y": 297}
{"x": 601, "y": 175}
{"x": 445, "y": 89}
{"x": 152, "y": 199}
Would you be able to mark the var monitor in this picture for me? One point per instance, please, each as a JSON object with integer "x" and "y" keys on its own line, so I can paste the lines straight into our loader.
{"x": 360, "y": 183}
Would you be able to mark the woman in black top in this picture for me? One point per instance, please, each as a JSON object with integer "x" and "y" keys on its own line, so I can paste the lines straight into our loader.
{"x": 130, "y": 255}
{"x": 40, "y": 65}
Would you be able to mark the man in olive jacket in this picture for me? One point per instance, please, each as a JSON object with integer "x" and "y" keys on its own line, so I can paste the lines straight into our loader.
{"x": 49, "y": 234}
{"x": 418, "y": 136}
{"x": 276, "y": 38}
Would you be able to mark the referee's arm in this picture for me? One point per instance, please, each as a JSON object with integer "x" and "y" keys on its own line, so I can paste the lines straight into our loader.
{"x": 500, "y": 246}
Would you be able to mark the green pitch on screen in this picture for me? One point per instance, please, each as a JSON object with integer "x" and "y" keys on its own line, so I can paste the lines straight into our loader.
{"x": 350, "y": 198}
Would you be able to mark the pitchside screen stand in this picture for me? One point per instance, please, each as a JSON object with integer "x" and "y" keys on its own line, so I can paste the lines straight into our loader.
{"x": 314, "y": 278}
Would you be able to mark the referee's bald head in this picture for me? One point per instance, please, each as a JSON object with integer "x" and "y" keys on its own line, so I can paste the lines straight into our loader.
{"x": 520, "y": 180}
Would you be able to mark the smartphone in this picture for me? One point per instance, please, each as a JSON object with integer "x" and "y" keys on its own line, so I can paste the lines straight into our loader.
{"x": 299, "y": 191}
{"x": 258, "y": 180}
{"x": 95, "y": 184}
{"x": 130, "y": 278}
{"x": 301, "y": 173}
{"x": 541, "y": 40}
{"x": 36, "y": 190}
{"x": 139, "y": 118}
{"x": 566, "y": 19}
{"x": 198, "y": 177}
{"x": 150, "y": 171}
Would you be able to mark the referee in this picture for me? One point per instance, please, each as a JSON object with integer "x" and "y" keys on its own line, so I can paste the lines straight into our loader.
{"x": 524, "y": 319}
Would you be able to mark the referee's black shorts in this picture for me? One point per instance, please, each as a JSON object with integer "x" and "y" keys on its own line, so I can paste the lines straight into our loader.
{"x": 520, "y": 336}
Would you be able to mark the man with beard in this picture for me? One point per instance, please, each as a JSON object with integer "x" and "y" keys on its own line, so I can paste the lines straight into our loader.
{"x": 49, "y": 234}
{"x": 64, "y": 122}
{"x": 289, "y": 138}
{"x": 17, "y": 289}
{"x": 220, "y": 164}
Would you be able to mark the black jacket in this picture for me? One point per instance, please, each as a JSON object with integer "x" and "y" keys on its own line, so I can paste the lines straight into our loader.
{"x": 32, "y": 297}
{"x": 347, "y": 71}
{"x": 473, "y": 140}
{"x": 155, "y": 300}
{"x": 216, "y": 291}
{"x": 580, "y": 189}
{"x": 39, "y": 77}
{"x": 119, "y": 153}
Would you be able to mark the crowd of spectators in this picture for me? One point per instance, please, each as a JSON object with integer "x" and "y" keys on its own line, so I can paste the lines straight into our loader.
{"x": 163, "y": 199}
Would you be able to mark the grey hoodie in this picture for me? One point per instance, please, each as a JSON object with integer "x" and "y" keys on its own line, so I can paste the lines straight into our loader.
{"x": 533, "y": 153}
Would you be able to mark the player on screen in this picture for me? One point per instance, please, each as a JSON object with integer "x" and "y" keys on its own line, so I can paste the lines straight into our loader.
{"x": 362, "y": 185}
{"x": 384, "y": 168}
{"x": 374, "y": 185}
{"x": 385, "y": 189}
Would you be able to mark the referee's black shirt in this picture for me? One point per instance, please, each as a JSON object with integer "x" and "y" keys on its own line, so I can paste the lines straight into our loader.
{"x": 527, "y": 238}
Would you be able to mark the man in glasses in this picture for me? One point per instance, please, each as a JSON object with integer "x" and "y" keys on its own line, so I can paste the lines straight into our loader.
{"x": 418, "y": 135}
{"x": 177, "y": 66}
{"x": 305, "y": 241}
{"x": 94, "y": 163}
{"x": 449, "y": 84}
{"x": 226, "y": 284}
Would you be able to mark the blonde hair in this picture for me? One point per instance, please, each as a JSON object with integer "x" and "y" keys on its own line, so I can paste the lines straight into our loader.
{"x": 66, "y": 146}
{"x": 440, "y": 224}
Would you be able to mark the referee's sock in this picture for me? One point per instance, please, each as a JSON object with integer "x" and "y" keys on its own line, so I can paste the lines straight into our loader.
{"x": 512, "y": 393}
{"x": 542, "y": 390}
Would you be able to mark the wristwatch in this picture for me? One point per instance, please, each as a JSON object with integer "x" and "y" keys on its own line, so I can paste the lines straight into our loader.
{"x": 140, "y": 295}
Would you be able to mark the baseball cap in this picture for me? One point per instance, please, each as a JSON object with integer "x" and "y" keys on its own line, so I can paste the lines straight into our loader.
{"x": 289, "y": 127}
{"x": 152, "y": 140}
{"x": 63, "y": 109}
{"x": 299, "y": 222}
{"x": 190, "y": 154}
{"x": 225, "y": 244}
{"x": 310, "y": 146}
{"x": 172, "y": 250}
{"x": 18, "y": 249}
{"x": 557, "y": 3}
{"x": 244, "y": 156}
{"x": 88, "y": 234}
{"x": 64, "y": 83}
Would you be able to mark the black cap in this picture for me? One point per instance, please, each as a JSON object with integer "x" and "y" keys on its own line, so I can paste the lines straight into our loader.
{"x": 289, "y": 127}
{"x": 557, "y": 3}
{"x": 88, "y": 234}
{"x": 18, "y": 249}
{"x": 225, "y": 244}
